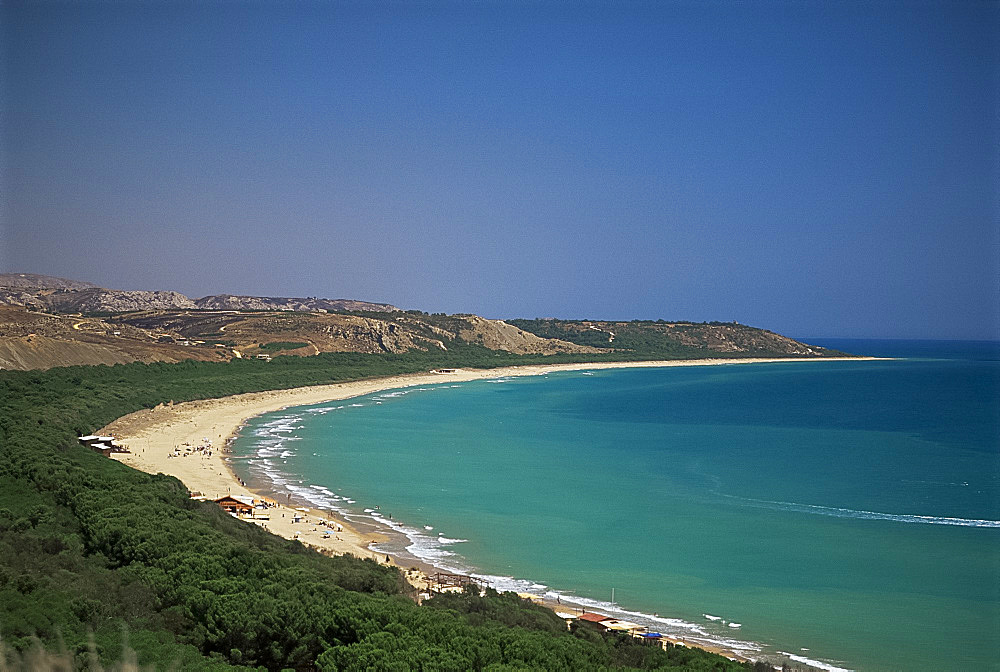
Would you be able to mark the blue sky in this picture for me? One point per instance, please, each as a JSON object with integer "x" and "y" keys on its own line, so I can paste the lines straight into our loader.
{"x": 814, "y": 168}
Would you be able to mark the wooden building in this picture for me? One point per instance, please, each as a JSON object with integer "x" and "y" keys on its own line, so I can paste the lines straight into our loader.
{"x": 234, "y": 505}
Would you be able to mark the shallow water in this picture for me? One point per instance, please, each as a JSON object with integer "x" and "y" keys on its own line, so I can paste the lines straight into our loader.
{"x": 843, "y": 512}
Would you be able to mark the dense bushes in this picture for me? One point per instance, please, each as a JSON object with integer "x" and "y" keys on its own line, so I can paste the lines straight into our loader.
{"x": 88, "y": 545}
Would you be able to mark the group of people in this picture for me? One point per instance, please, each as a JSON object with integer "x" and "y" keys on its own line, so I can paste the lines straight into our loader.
{"x": 204, "y": 449}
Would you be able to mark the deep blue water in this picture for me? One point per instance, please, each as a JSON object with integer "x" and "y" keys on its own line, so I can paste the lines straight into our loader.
{"x": 844, "y": 512}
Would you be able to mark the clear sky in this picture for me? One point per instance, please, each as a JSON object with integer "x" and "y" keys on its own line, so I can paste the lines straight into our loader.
{"x": 815, "y": 168}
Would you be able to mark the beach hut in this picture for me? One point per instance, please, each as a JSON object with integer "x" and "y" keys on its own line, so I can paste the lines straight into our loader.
{"x": 102, "y": 448}
{"x": 102, "y": 444}
{"x": 593, "y": 620}
{"x": 621, "y": 626}
{"x": 653, "y": 639}
{"x": 591, "y": 617}
{"x": 234, "y": 504}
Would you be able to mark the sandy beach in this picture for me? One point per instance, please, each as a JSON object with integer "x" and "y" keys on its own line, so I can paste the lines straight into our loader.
{"x": 166, "y": 439}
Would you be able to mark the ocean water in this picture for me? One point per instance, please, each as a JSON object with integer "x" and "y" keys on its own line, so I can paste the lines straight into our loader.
{"x": 844, "y": 513}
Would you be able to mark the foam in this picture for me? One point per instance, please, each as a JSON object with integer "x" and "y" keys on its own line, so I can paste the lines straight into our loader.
{"x": 426, "y": 544}
{"x": 438, "y": 549}
{"x": 857, "y": 514}
{"x": 815, "y": 663}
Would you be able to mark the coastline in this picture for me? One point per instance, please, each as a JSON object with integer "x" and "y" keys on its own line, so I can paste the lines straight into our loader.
{"x": 153, "y": 435}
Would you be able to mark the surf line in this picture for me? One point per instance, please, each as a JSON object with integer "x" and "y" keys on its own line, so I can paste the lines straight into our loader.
{"x": 835, "y": 512}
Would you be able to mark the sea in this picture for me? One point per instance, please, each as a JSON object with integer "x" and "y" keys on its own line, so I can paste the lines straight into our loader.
{"x": 844, "y": 514}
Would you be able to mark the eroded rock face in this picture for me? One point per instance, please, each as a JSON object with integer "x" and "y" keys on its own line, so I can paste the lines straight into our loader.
{"x": 498, "y": 335}
{"x": 43, "y": 292}
{"x": 34, "y": 281}
{"x": 231, "y": 302}
{"x": 94, "y": 300}
{"x": 114, "y": 301}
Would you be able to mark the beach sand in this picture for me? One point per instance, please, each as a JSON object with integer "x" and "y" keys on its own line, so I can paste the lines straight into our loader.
{"x": 154, "y": 436}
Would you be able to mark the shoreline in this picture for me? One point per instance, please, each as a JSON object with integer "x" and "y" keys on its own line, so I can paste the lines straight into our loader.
{"x": 163, "y": 440}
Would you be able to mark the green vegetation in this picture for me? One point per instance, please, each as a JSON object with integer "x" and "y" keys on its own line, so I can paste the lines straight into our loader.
{"x": 648, "y": 339}
{"x": 88, "y": 545}
{"x": 282, "y": 345}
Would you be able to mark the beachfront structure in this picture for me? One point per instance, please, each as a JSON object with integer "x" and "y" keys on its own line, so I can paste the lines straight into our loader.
{"x": 237, "y": 505}
{"x": 102, "y": 448}
{"x": 609, "y": 624}
{"x": 442, "y": 582}
{"x": 103, "y": 444}
{"x": 617, "y": 625}
{"x": 592, "y": 618}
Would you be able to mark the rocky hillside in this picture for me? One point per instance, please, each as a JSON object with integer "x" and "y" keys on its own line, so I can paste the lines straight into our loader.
{"x": 499, "y": 335}
{"x": 30, "y": 281}
{"x": 32, "y": 340}
{"x": 230, "y": 302}
{"x": 59, "y": 295}
{"x": 50, "y": 322}
{"x": 311, "y": 333}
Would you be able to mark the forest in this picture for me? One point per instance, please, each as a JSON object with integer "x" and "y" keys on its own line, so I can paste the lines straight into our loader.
{"x": 102, "y": 565}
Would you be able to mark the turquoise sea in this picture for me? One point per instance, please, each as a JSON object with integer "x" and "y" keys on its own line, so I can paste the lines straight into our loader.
{"x": 844, "y": 513}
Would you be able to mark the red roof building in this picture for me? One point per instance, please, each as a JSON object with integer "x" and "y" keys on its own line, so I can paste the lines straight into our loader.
{"x": 233, "y": 505}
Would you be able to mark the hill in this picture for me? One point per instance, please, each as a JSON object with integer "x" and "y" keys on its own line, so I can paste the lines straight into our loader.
{"x": 59, "y": 295}
{"x": 47, "y": 322}
{"x": 34, "y": 281}
{"x": 672, "y": 340}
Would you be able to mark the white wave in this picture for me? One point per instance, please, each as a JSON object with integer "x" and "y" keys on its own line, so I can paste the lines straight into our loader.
{"x": 674, "y": 627}
{"x": 321, "y": 409}
{"x": 712, "y": 618}
{"x": 857, "y": 514}
{"x": 435, "y": 550}
{"x": 815, "y": 663}
{"x": 735, "y": 625}
{"x": 439, "y": 550}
